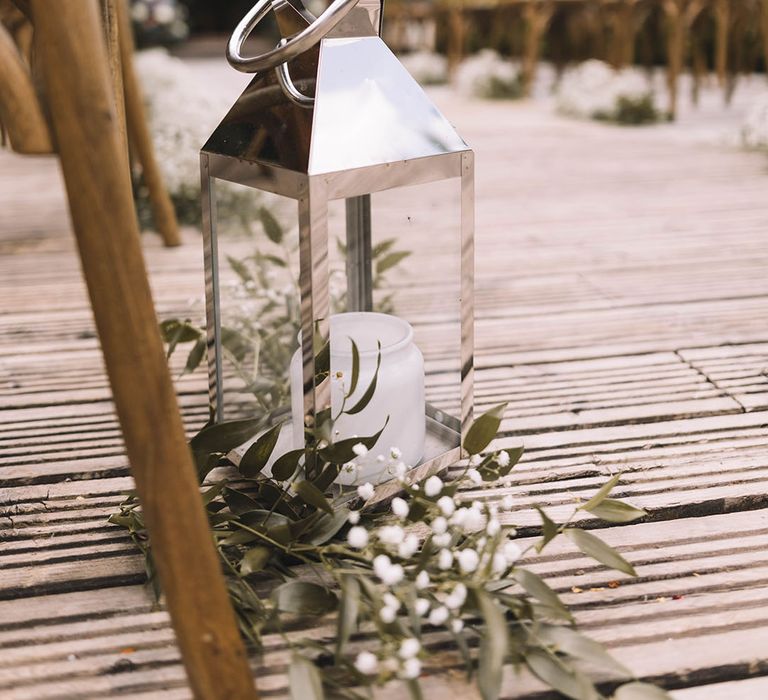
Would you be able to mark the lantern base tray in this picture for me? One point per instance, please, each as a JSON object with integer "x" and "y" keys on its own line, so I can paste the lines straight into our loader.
{"x": 441, "y": 450}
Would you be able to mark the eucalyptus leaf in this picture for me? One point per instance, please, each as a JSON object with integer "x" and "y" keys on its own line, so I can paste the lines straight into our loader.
{"x": 602, "y": 494}
{"x": 355, "y": 368}
{"x": 271, "y": 226}
{"x": 365, "y": 399}
{"x": 597, "y": 549}
{"x": 304, "y": 598}
{"x": 342, "y": 451}
{"x": 550, "y": 530}
{"x": 304, "y": 679}
{"x": 640, "y": 691}
{"x": 560, "y": 677}
{"x": 285, "y": 465}
{"x": 196, "y": 355}
{"x": 254, "y": 560}
{"x": 389, "y": 261}
{"x": 328, "y": 527}
{"x": 348, "y": 611}
{"x": 484, "y": 429}
{"x": 311, "y": 495}
{"x": 493, "y": 646}
{"x": 571, "y": 642}
{"x": 534, "y": 585}
{"x": 258, "y": 454}
{"x": 222, "y": 437}
{"x": 614, "y": 511}
{"x": 238, "y": 502}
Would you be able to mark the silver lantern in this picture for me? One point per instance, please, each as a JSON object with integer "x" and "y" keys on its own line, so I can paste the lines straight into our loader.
{"x": 331, "y": 114}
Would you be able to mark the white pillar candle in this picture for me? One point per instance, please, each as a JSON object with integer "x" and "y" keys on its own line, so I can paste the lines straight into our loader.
{"x": 399, "y": 391}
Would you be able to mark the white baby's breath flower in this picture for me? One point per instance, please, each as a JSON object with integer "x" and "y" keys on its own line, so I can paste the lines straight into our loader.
{"x": 474, "y": 476}
{"x": 457, "y": 597}
{"x": 502, "y": 459}
{"x": 445, "y": 559}
{"x": 438, "y": 616}
{"x": 380, "y": 459}
{"x": 468, "y": 560}
{"x": 422, "y": 580}
{"x": 366, "y": 663}
{"x": 354, "y": 517}
{"x": 391, "y": 601}
{"x": 359, "y": 449}
{"x": 493, "y": 527}
{"x": 399, "y": 469}
{"x": 400, "y": 507}
{"x": 357, "y": 537}
{"x": 365, "y": 491}
{"x": 474, "y": 520}
{"x": 457, "y": 625}
{"x": 390, "y": 534}
{"x": 512, "y": 551}
{"x": 411, "y": 669}
{"x": 433, "y": 486}
{"x": 387, "y": 615}
{"x": 439, "y": 525}
{"x": 442, "y": 540}
{"x": 408, "y": 547}
{"x": 499, "y": 563}
{"x": 446, "y": 505}
{"x": 421, "y": 606}
{"x": 395, "y": 453}
{"x": 507, "y": 503}
{"x": 409, "y": 648}
{"x": 475, "y": 460}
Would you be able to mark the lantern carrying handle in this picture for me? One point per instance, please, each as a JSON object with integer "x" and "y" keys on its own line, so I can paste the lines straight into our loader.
{"x": 285, "y": 51}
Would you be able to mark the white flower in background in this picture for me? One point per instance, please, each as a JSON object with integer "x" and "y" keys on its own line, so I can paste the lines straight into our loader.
{"x": 474, "y": 476}
{"x": 502, "y": 459}
{"x": 457, "y": 597}
{"x": 411, "y": 669}
{"x": 442, "y": 540}
{"x": 421, "y": 606}
{"x": 366, "y": 663}
{"x": 164, "y": 13}
{"x": 399, "y": 469}
{"x": 354, "y": 517}
{"x": 400, "y": 507}
{"x": 387, "y": 615}
{"x": 475, "y": 460}
{"x": 365, "y": 491}
{"x": 139, "y": 12}
{"x": 445, "y": 559}
{"x": 493, "y": 528}
{"x": 486, "y": 74}
{"x": 446, "y": 505}
{"x": 439, "y": 525}
{"x": 409, "y": 648}
{"x": 457, "y": 625}
{"x": 426, "y": 67}
{"x": 391, "y": 601}
{"x": 389, "y": 573}
{"x": 754, "y": 130}
{"x": 594, "y": 89}
{"x": 408, "y": 547}
{"x": 468, "y": 560}
{"x": 391, "y": 535}
{"x": 507, "y": 503}
{"x": 438, "y": 616}
{"x": 474, "y": 520}
{"x": 499, "y": 563}
{"x": 422, "y": 580}
{"x": 357, "y": 537}
{"x": 359, "y": 449}
{"x": 395, "y": 453}
{"x": 512, "y": 551}
{"x": 433, "y": 486}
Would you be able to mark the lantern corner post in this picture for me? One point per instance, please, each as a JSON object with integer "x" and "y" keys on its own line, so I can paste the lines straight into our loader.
{"x": 212, "y": 291}
{"x": 315, "y": 296}
{"x": 467, "y": 305}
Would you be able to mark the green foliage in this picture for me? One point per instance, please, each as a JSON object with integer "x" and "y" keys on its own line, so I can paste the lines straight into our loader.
{"x": 263, "y": 528}
{"x": 631, "y": 111}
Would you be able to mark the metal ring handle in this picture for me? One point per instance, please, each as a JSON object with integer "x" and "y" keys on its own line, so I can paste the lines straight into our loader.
{"x": 291, "y": 91}
{"x": 298, "y": 44}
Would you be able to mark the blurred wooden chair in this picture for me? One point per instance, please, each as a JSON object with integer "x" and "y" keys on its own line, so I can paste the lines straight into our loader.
{"x": 77, "y": 75}
{"x": 24, "y": 110}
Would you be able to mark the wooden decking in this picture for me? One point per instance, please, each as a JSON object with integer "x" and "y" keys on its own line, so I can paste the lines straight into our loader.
{"x": 622, "y": 287}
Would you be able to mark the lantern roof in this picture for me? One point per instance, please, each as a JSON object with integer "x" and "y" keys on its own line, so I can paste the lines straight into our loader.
{"x": 368, "y": 112}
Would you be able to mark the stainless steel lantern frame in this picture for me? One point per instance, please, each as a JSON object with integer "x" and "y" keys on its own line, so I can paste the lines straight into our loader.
{"x": 408, "y": 143}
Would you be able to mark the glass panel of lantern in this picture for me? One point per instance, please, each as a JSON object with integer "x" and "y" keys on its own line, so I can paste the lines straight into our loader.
{"x": 380, "y": 257}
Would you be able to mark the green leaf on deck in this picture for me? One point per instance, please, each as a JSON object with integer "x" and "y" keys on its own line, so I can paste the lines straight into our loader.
{"x": 304, "y": 598}
{"x": 493, "y": 646}
{"x": 559, "y": 676}
{"x": 304, "y": 679}
{"x": 271, "y": 226}
{"x": 602, "y": 494}
{"x": 573, "y": 643}
{"x": 534, "y": 585}
{"x": 484, "y": 429}
{"x": 597, "y": 549}
{"x": 286, "y": 465}
{"x": 550, "y": 530}
{"x": 348, "y": 611}
{"x": 254, "y": 560}
{"x": 311, "y": 495}
{"x": 614, "y": 511}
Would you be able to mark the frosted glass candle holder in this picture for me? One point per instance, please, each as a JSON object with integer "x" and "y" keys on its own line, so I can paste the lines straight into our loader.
{"x": 399, "y": 391}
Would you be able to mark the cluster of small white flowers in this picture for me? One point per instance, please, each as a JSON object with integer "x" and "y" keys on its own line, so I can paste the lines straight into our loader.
{"x": 593, "y": 89}
{"x": 427, "y": 67}
{"x": 753, "y": 132}
{"x": 484, "y": 73}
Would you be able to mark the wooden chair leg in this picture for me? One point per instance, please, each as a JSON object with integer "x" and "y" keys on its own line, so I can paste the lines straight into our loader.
{"x": 138, "y": 133}
{"x": 20, "y": 111}
{"x": 74, "y": 64}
